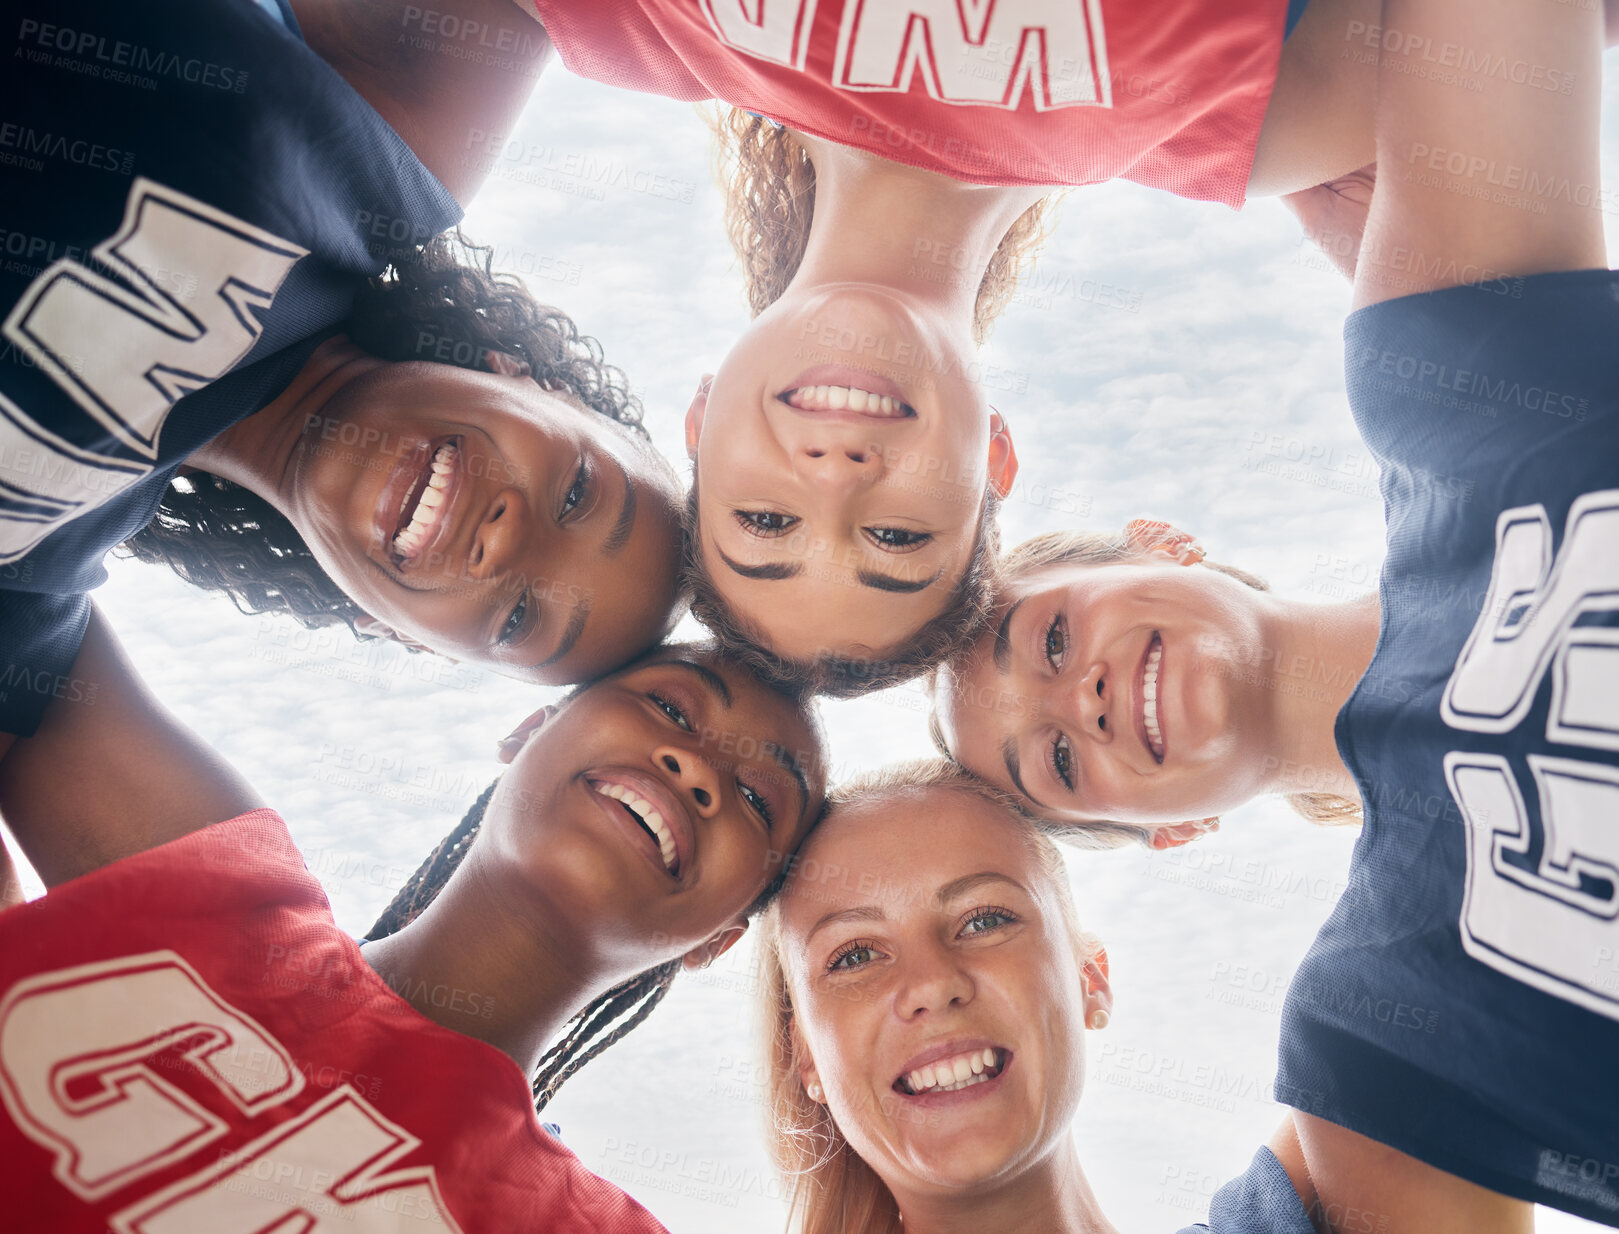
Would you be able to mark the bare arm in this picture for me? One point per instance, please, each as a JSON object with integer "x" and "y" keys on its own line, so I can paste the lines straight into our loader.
{"x": 1349, "y": 1182}
{"x": 1496, "y": 181}
{"x": 449, "y": 77}
{"x": 110, "y": 773}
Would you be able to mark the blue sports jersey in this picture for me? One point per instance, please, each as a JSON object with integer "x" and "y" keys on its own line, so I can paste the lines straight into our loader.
{"x": 1261, "y": 1200}
{"x": 192, "y": 199}
{"x": 1462, "y": 1002}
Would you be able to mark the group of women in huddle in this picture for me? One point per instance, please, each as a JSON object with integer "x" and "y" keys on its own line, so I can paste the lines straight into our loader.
{"x": 258, "y": 358}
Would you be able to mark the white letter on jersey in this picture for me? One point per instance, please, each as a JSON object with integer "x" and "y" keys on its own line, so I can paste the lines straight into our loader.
{"x": 774, "y": 30}
{"x": 126, "y": 355}
{"x": 1531, "y": 604}
{"x": 1543, "y": 909}
{"x": 978, "y": 52}
{"x": 318, "y": 1174}
{"x": 79, "y": 1050}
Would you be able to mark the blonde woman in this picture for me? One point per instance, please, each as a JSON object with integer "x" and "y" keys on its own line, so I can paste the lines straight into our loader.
{"x": 926, "y": 993}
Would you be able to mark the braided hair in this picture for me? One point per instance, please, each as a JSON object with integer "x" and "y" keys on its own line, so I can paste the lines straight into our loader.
{"x": 598, "y": 1026}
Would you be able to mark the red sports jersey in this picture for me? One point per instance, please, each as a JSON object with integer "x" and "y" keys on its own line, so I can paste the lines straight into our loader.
{"x": 190, "y": 1045}
{"x": 1168, "y": 94}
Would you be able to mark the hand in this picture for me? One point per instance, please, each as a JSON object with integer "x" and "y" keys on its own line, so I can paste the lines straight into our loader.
{"x": 1334, "y": 215}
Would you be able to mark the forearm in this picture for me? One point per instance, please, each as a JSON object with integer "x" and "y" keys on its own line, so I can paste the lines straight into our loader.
{"x": 1496, "y": 172}
{"x": 450, "y": 78}
{"x": 110, "y": 774}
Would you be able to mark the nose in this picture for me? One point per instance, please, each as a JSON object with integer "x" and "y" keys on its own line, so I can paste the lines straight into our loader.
{"x": 840, "y": 461}
{"x": 500, "y": 536}
{"x": 932, "y": 981}
{"x": 694, "y": 775}
{"x": 1089, "y": 704}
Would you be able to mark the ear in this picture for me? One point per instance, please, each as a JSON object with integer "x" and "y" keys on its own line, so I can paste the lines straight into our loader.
{"x": 366, "y": 624}
{"x": 505, "y": 363}
{"x": 1183, "y": 833}
{"x": 1098, "y": 991}
{"x": 507, "y": 747}
{"x": 695, "y": 413}
{"x": 1150, "y": 536}
{"x": 704, "y": 954}
{"x": 1002, "y": 455}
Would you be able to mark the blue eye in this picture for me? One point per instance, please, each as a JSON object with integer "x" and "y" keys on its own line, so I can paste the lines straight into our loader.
{"x": 996, "y": 917}
{"x": 674, "y": 713}
{"x": 514, "y": 621}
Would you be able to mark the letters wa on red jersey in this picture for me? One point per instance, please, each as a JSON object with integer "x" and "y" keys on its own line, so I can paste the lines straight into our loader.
{"x": 1170, "y": 95}
{"x": 190, "y": 1045}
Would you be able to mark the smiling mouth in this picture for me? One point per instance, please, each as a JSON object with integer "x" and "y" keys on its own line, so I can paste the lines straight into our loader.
{"x": 646, "y": 816}
{"x": 847, "y": 399}
{"x": 1149, "y": 697}
{"x": 426, "y": 506}
{"x": 950, "y": 1075}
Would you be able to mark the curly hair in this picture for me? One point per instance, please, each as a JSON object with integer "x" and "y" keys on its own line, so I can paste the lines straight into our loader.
{"x": 1075, "y": 547}
{"x": 840, "y": 676}
{"x": 769, "y": 186}
{"x": 444, "y": 299}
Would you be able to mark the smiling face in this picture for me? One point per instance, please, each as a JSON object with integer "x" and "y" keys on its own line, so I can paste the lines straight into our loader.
{"x": 491, "y": 520}
{"x": 938, "y": 990}
{"x": 841, "y": 454}
{"x": 1132, "y": 693}
{"x": 655, "y": 806}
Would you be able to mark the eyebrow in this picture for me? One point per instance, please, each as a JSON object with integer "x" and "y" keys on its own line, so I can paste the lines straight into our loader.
{"x": 952, "y": 890}
{"x": 619, "y": 536}
{"x": 869, "y": 578}
{"x": 885, "y": 582}
{"x": 570, "y": 636}
{"x": 1014, "y": 769}
{"x": 797, "y": 772}
{"x": 770, "y": 570}
{"x": 708, "y": 676}
{"x": 1003, "y": 645}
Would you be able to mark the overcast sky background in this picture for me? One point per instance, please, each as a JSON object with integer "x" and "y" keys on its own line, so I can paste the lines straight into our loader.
{"x": 1218, "y": 404}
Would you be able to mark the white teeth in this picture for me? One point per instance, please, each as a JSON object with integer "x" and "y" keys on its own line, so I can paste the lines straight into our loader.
{"x": 950, "y": 1074}
{"x": 425, "y": 517}
{"x": 649, "y": 815}
{"x": 1149, "y": 700}
{"x": 840, "y": 398}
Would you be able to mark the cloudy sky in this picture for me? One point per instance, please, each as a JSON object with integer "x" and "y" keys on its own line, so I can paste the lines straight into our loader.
{"x": 1214, "y": 400}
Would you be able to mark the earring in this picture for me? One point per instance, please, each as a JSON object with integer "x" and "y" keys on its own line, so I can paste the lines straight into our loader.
{"x": 1097, "y": 1020}
{"x": 814, "y": 1091}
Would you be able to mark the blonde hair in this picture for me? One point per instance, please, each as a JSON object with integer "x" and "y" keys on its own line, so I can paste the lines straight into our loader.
{"x": 832, "y": 1189}
{"x": 1093, "y": 548}
{"x": 769, "y": 186}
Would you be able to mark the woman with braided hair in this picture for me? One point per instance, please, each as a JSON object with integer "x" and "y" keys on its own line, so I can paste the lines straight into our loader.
{"x": 190, "y": 972}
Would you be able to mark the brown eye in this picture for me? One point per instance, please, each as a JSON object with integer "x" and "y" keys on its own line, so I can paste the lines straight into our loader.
{"x": 765, "y": 522}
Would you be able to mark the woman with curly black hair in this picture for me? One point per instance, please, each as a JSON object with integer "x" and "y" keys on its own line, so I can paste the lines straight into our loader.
{"x": 240, "y": 313}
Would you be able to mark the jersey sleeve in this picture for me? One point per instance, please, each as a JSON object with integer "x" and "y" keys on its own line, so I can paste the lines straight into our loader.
{"x": 40, "y": 635}
{"x": 1261, "y": 1200}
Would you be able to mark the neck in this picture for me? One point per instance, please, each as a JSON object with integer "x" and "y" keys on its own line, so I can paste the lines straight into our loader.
{"x": 1054, "y": 1197}
{"x": 1321, "y": 653}
{"x": 915, "y": 231}
{"x": 479, "y": 960}
{"x": 258, "y": 452}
